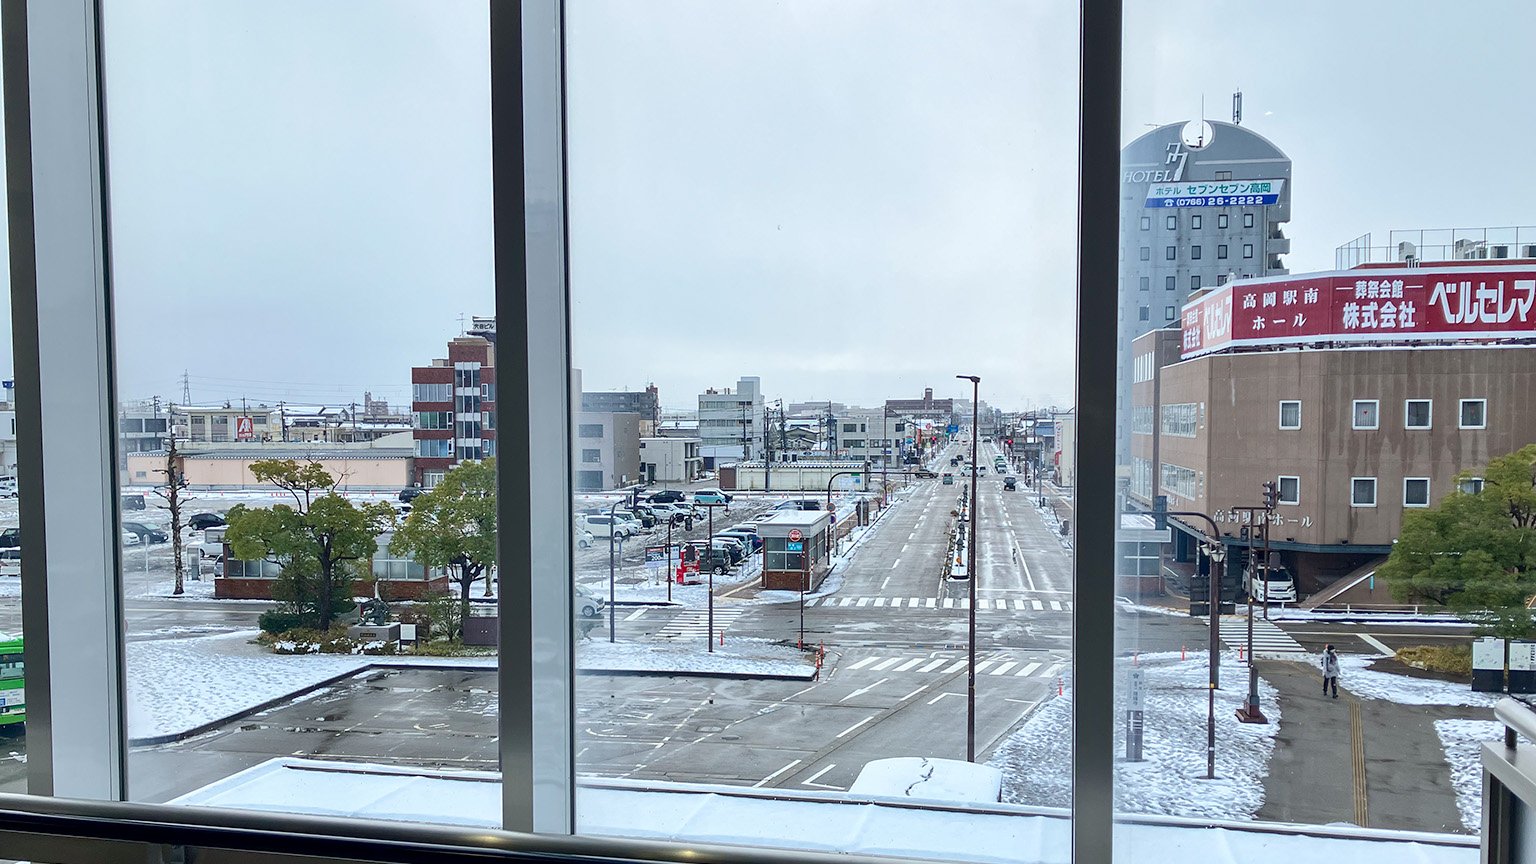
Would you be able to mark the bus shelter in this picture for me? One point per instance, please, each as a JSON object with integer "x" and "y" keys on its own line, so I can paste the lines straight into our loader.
{"x": 795, "y": 549}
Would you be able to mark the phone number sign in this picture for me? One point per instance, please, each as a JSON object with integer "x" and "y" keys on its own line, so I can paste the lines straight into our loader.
{"x": 1216, "y": 193}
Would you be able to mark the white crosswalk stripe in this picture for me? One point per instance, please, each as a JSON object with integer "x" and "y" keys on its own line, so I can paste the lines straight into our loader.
{"x": 695, "y": 623}
{"x": 987, "y": 604}
{"x": 1003, "y": 666}
{"x": 1267, "y": 637}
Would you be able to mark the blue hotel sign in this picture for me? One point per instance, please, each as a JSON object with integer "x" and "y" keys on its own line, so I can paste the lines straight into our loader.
{"x": 1215, "y": 193}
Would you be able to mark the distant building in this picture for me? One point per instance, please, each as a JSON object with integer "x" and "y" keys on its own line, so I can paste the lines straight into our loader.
{"x": 453, "y": 404}
{"x": 731, "y": 424}
{"x": 376, "y": 465}
{"x": 606, "y": 450}
{"x": 645, "y": 403}
{"x": 941, "y": 411}
{"x": 670, "y": 460}
{"x": 872, "y": 434}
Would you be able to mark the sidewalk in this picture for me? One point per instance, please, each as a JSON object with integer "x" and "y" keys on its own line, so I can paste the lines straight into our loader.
{"x": 1367, "y": 762}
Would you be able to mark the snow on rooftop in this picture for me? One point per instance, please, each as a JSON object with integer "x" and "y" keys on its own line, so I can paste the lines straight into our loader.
{"x": 929, "y": 780}
{"x": 829, "y": 822}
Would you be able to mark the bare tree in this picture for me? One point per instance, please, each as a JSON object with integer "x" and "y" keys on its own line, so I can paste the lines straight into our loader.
{"x": 172, "y": 492}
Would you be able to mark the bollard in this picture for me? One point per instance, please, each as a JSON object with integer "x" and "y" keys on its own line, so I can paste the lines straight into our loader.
{"x": 1136, "y": 658}
{"x": 722, "y": 639}
{"x": 1181, "y": 652}
{"x": 1061, "y": 687}
{"x": 1239, "y": 654}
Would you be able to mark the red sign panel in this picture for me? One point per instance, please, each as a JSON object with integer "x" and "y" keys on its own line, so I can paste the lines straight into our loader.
{"x": 794, "y": 534}
{"x": 1399, "y": 305}
{"x": 245, "y": 430}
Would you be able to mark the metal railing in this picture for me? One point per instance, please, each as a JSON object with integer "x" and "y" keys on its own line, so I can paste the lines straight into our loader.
{"x": 69, "y": 831}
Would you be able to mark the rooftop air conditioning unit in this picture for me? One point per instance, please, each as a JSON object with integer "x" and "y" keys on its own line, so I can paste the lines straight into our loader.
{"x": 1407, "y": 252}
{"x": 1528, "y": 251}
{"x": 1498, "y": 252}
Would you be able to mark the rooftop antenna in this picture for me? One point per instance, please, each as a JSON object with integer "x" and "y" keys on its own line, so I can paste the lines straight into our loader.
{"x": 461, "y": 324}
{"x": 1237, "y": 107}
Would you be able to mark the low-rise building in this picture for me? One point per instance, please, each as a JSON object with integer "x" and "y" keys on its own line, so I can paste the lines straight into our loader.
{"x": 803, "y": 475}
{"x": 382, "y": 464}
{"x": 390, "y": 577}
{"x": 670, "y": 460}
{"x": 606, "y": 450}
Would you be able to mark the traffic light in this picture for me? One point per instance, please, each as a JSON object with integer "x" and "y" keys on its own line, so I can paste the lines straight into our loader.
{"x": 1271, "y": 495}
{"x": 1160, "y": 512}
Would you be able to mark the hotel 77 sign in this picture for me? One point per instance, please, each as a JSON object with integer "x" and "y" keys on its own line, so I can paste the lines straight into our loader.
{"x": 1443, "y": 304}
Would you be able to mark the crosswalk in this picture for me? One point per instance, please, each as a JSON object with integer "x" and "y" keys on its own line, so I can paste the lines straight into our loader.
{"x": 694, "y": 623}
{"x": 1004, "y": 666}
{"x": 1267, "y": 638}
{"x": 996, "y": 604}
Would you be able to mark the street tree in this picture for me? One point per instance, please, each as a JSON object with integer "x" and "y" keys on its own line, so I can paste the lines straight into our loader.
{"x": 317, "y": 540}
{"x": 453, "y": 525}
{"x": 173, "y": 493}
{"x": 1475, "y": 550}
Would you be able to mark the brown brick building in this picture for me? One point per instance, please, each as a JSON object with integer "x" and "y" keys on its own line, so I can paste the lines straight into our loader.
{"x": 453, "y": 404}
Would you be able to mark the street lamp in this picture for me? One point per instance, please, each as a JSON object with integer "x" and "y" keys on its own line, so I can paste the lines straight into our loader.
{"x": 613, "y": 530}
{"x": 1217, "y": 552}
{"x": 970, "y": 569}
{"x": 708, "y": 554}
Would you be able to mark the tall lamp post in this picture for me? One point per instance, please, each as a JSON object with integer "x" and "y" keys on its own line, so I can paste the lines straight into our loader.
{"x": 970, "y": 570}
{"x": 612, "y": 532}
{"x": 708, "y": 554}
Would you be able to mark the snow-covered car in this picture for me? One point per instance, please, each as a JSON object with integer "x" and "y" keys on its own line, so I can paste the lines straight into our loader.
{"x": 587, "y": 605}
{"x": 10, "y": 561}
{"x": 129, "y": 538}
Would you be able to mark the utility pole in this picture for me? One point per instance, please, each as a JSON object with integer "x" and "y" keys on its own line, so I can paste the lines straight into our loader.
{"x": 970, "y": 570}
{"x": 767, "y": 453}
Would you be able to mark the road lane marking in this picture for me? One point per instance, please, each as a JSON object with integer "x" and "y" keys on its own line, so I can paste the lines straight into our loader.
{"x": 907, "y": 665}
{"x": 915, "y": 602}
{"x": 895, "y": 564}
{"x": 879, "y": 601}
{"x": 802, "y": 692}
{"x": 904, "y": 548}
{"x": 884, "y": 583}
{"x": 1055, "y": 605}
{"x": 913, "y": 536}
{"x": 638, "y": 612}
{"x": 914, "y": 692}
{"x": 1039, "y": 607}
{"x": 765, "y": 780}
{"x": 855, "y": 726}
{"x": 1024, "y": 673}
{"x": 981, "y": 667}
{"x": 1001, "y": 670}
{"x": 931, "y": 666}
{"x": 941, "y": 696}
{"x": 932, "y": 603}
{"x": 1018, "y": 604}
{"x": 862, "y": 663}
{"x": 863, "y": 601}
{"x": 959, "y": 664}
{"x": 949, "y": 602}
{"x": 862, "y": 690}
{"x": 1377, "y": 644}
{"x": 811, "y": 780}
{"x": 1028, "y": 578}
{"x": 886, "y": 664}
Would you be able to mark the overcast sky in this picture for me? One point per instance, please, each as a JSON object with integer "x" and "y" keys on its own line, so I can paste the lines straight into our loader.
{"x": 852, "y": 200}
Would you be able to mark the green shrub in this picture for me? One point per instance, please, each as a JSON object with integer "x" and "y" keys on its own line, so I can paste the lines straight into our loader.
{"x": 279, "y": 621}
{"x": 307, "y": 640}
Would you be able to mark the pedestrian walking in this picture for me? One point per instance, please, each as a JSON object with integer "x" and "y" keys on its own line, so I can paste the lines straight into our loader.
{"x": 1330, "y": 671}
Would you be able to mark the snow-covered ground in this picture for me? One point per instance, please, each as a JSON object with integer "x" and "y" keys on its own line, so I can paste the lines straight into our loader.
{"x": 736, "y": 657}
{"x": 1036, "y": 758}
{"x": 1462, "y": 741}
{"x": 1405, "y": 689}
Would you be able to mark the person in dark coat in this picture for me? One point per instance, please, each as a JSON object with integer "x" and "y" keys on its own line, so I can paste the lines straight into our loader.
{"x": 1330, "y": 671}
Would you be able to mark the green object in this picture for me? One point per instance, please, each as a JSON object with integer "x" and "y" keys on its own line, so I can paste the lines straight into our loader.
{"x": 453, "y": 526}
{"x": 13, "y": 700}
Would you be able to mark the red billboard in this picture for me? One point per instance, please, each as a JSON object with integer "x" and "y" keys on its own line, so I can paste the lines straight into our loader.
{"x": 1376, "y": 305}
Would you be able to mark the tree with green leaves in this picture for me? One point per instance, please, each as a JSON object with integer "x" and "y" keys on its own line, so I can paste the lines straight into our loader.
{"x": 453, "y": 525}
{"x": 316, "y": 541}
{"x": 1475, "y": 550}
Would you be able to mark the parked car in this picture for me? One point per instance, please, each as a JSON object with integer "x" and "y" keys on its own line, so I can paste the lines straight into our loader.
{"x": 10, "y": 561}
{"x": 663, "y": 510}
{"x": 667, "y": 496}
{"x": 10, "y": 537}
{"x": 146, "y": 533}
{"x": 204, "y": 521}
{"x": 924, "y": 473}
{"x": 132, "y": 501}
{"x": 7, "y": 487}
{"x": 716, "y": 559}
{"x": 751, "y": 539}
{"x": 583, "y": 538}
{"x": 641, "y": 514}
{"x": 586, "y": 605}
{"x": 128, "y": 538}
{"x": 712, "y": 496}
{"x": 1010, "y": 483}
{"x": 739, "y": 547}
{"x": 603, "y": 525}
{"x": 799, "y": 504}
{"x": 410, "y": 493}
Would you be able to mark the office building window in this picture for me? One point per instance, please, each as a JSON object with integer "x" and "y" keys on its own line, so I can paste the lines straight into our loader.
{"x": 432, "y": 392}
{"x": 1170, "y": 312}
{"x": 1470, "y": 485}
{"x": 1146, "y": 253}
{"x": 1146, "y": 283}
{"x": 1247, "y": 220}
{"x": 1194, "y": 282}
{"x": 1144, "y": 313}
{"x": 589, "y": 455}
{"x": 1221, "y": 220}
{"x": 1474, "y": 413}
{"x": 1247, "y": 250}
{"x": 1171, "y": 222}
{"x": 1194, "y": 221}
{"x": 1288, "y": 490}
{"x": 1194, "y": 252}
{"x": 1171, "y": 283}
{"x": 1181, "y": 419}
{"x": 1223, "y": 175}
{"x": 1365, "y": 414}
{"x": 1146, "y": 223}
{"x": 1171, "y": 253}
{"x": 1416, "y": 492}
{"x": 1362, "y": 491}
{"x": 1290, "y": 414}
{"x": 1221, "y": 251}
{"x": 1416, "y": 413}
{"x": 1223, "y": 278}
{"x": 589, "y": 430}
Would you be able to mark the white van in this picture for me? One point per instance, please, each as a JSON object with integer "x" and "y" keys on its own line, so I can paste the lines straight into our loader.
{"x": 603, "y": 525}
{"x": 1275, "y": 586}
{"x": 10, "y": 561}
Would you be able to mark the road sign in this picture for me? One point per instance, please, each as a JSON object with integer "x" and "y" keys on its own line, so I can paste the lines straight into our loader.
{"x": 794, "y": 546}
{"x": 794, "y": 534}
{"x": 655, "y": 553}
{"x": 953, "y": 428}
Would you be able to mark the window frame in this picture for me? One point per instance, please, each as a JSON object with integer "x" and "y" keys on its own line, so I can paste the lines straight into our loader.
{"x": 1426, "y": 482}
{"x": 1354, "y": 422}
{"x": 1375, "y": 492}
{"x": 1221, "y": 220}
{"x": 1280, "y": 490}
{"x": 1280, "y": 419}
{"x": 1461, "y": 412}
{"x": 1429, "y": 421}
